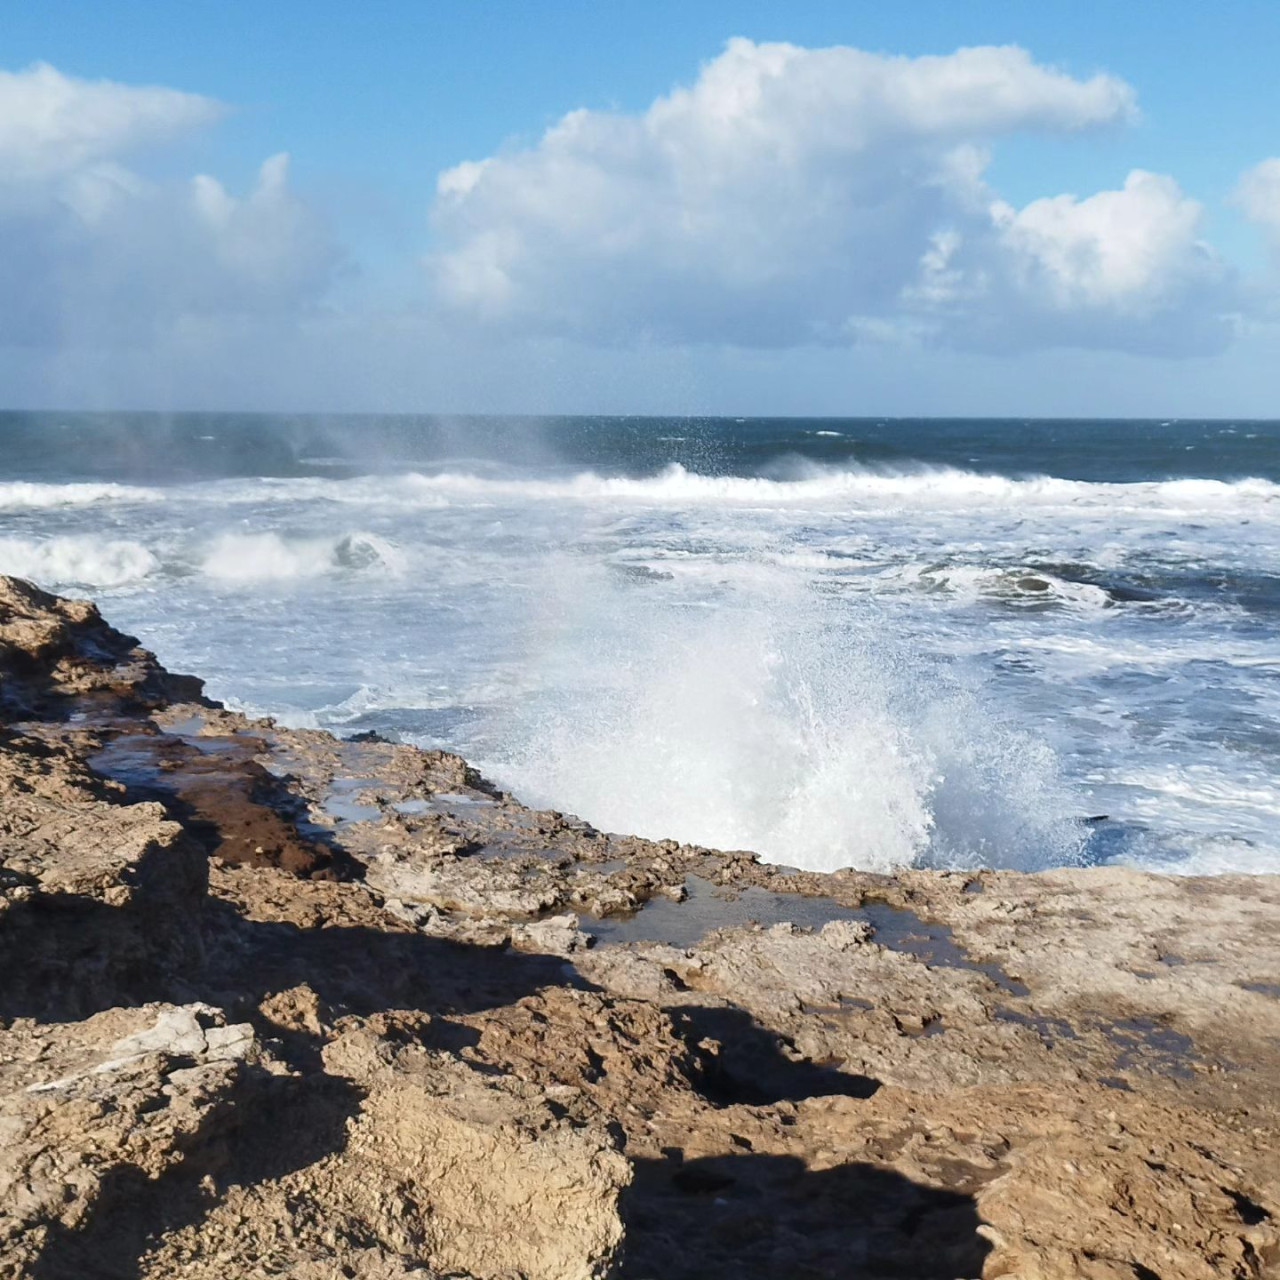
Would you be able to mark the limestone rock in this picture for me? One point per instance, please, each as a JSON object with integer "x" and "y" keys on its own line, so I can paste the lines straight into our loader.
{"x": 276, "y": 1004}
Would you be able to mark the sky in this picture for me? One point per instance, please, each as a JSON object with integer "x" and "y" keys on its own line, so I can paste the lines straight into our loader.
{"x": 1049, "y": 209}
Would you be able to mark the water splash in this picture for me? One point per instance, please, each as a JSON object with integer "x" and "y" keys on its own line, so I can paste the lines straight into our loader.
{"x": 269, "y": 557}
{"x": 77, "y": 560}
{"x": 780, "y": 721}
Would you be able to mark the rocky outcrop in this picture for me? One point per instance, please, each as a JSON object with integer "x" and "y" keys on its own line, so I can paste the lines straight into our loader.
{"x": 274, "y": 1004}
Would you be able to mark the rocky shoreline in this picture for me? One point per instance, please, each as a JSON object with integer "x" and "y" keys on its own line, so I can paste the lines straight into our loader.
{"x": 276, "y": 1004}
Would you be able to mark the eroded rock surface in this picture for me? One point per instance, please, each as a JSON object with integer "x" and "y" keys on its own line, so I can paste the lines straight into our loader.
{"x": 274, "y": 1004}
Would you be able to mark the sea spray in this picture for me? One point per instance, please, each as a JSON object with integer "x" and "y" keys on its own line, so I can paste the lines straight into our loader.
{"x": 77, "y": 560}
{"x": 960, "y": 596}
{"x": 780, "y": 720}
{"x": 270, "y": 557}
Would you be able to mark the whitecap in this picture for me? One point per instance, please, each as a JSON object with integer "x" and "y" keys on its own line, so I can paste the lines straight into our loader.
{"x": 16, "y": 495}
{"x": 77, "y": 560}
{"x": 272, "y": 557}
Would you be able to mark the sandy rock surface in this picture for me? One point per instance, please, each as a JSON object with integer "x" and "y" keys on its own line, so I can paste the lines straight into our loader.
{"x": 275, "y": 1004}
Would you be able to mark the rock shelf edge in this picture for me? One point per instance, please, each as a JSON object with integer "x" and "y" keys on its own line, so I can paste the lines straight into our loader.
{"x": 278, "y": 1004}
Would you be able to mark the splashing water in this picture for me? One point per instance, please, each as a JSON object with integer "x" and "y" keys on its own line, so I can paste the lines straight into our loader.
{"x": 865, "y": 642}
{"x": 77, "y": 560}
{"x": 786, "y": 724}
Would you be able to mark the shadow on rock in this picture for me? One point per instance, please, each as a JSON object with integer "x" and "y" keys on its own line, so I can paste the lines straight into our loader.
{"x": 749, "y": 1216}
{"x": 69, "y": 957}
{"x": 266, "y": 1127}
{"x": 358, "y": 969}
{"x": 739, "y": 1061}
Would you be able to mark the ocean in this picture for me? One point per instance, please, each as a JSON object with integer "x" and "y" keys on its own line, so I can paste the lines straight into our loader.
{"x": 837, "y": 642}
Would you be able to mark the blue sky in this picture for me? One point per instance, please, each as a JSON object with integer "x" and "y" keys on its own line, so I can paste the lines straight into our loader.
{"x": 349, "y": 281}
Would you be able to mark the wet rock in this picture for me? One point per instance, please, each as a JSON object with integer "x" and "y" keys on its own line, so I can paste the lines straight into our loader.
{"x": 273, "y": 1003}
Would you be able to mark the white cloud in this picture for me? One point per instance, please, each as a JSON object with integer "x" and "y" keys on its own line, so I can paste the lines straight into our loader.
{"x": 793, "y": 196}
{"x": 268, "y": 242}
{"x": 1127, "y": 249}
{"x": 96, "y": 254}
{"x": 1258, "y": 194}
{"x": 52, "y": 124}
{"x": 787, "y": 204}
{"x": 1124, "y": 269}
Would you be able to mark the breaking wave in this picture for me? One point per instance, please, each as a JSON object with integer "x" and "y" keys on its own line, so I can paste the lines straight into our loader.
{"x": 930, "y": 487}
{"x": 80, "y": 561}
{"x": 18, "y": 495}
{"x": 269, "y": 557}
{"x": 803, "y": 484}
{"x": 77, "y": 561}
{"x": 263, "y": 557}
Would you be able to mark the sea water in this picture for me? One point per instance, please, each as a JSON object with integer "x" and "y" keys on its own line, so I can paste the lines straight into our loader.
{"x": 863, "y": 642}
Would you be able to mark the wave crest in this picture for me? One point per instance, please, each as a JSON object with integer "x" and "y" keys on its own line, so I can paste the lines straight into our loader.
{"x": 19, "y": 495}
{"x": 77, "y": 561}
{"x": 934, "y": 488}
{"x": 269, "y": 557}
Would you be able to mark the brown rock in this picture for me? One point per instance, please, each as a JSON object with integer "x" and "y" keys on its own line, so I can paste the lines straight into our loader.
{"x": 272, "y": 1004}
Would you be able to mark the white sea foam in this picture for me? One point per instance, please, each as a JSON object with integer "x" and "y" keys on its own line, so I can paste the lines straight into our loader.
{"x": 18, "y": 495}
{"x": 1190, "y": 854}
{"x": 934, "y": 487}
{"x": 84, "y": 560}
{"x": 269, "y": 557}
{"x": 389, "y": 492}
{"x": 796, "y": 730}
{"x": 826, "y": 488}
{"x": 76, "y": 560}
{"x": 1201, "y": 819}
{"x": 1013, "y": 584}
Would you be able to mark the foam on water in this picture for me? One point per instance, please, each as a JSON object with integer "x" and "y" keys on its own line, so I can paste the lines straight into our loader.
{"x": 18, "y": 495}
{"x": 804, "y": 484}
{"x": 269, "y": 557}
{"x": 783, "y": 724}
{"x": 843, "y": 645}
{"x": 76, "y": 560}
{"x": 811, "y": 484}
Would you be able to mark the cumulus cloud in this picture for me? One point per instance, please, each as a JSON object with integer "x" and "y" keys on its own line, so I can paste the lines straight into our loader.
{"x": 793, "y": 196}
{"x": 97, "y": 254}
{"x": 1126, "y": 269}
{"x": 785, "y": 201}
{"x": 1259, "y": 196}
{"x": 52, "y": 123}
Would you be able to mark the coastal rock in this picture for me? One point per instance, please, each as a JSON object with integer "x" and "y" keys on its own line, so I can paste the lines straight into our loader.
{"x": 276, "y": 1004}
{"x": 97, "y": 1114}
{"x": 54, "y": 652}
{"x": 97, "y": 895}
{"x": 435, "y": 1170}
